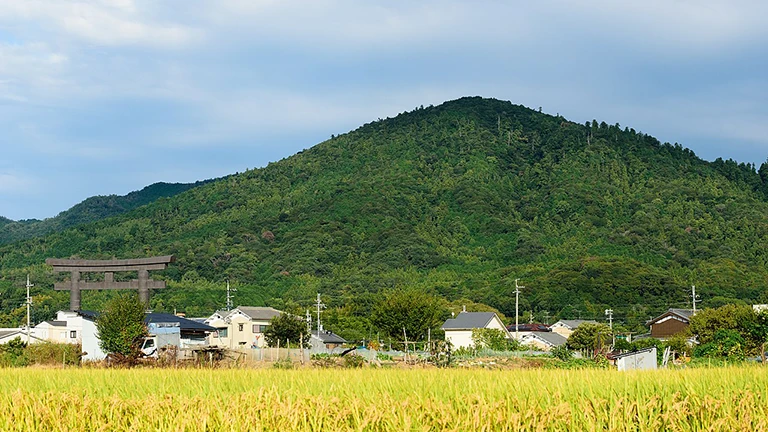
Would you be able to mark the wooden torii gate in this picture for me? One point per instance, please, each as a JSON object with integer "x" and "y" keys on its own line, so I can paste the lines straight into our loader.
{"x": 141, "y": 265}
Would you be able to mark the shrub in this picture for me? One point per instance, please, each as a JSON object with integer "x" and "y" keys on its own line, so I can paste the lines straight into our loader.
{"x": 561, "y": 352}
{"x": 724, "y": 344}
{"x": 50, "y": 353}
{"x": 13, "y": 353}
{"x": 353, "y": 361}
{"x": 285, "y": 363}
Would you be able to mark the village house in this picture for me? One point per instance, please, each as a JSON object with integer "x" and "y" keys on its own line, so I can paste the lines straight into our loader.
{"x": 543, "y": 341}
{"x": 242, "y": 327}
{"x": 80, "y": 327}
{"x": 326, "y": 342}
{"x": 9, "y": 334}
{"x": 526, "y": 329}
{"x": 458, "y": 330}
{"x": 670, "y": 323}
{"x": 54, "y": 331}
{"x": 566, "y": 327}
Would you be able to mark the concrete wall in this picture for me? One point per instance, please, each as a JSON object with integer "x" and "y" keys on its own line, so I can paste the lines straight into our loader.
{"x": 638, "y": 361}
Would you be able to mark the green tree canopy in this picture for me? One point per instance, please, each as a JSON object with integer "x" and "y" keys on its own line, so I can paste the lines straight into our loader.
{"x": 738, "y": 318}
{"x": 411, "y": 310}
{"x": 589, "y": 336}
{"x": 121, "y": 326}
{"x": 286, "y": 328}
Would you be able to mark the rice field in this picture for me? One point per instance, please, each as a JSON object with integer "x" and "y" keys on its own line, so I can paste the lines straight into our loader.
{"x": 718, "y": 399}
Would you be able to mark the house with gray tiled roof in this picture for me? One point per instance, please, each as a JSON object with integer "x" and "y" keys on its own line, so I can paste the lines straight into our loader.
{"x": 458, "y": 330}
{"x": 566, "y": 327}
{"x": 544, "y": 341}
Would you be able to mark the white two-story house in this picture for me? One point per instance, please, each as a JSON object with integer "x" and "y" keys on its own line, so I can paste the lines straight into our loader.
{"x": 242, "y": 327}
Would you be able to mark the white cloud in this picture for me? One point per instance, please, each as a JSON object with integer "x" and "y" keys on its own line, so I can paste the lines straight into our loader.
{"x": 104, "y": 23}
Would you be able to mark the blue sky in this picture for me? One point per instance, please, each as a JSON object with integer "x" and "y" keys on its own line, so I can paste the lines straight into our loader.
{"x": 106, "y": 97}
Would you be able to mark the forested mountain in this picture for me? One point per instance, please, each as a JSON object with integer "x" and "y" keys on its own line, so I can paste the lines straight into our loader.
{"x": 457, "y": 200}
{"x": 90, "y": 210}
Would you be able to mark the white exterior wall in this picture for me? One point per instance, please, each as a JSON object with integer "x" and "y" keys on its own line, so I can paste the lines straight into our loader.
{"x": 459, "y": 338}
{"x": 538, "y": 343}
{"x": 236, "y": 338}
{"x": 497, "y": 324}
{"x": 90, "y": 341}
{"x": 56, "y": 334}
{"x": 74, "y": 323}
{"x": 561, "y": 329}
{"x": 643, "y": 360}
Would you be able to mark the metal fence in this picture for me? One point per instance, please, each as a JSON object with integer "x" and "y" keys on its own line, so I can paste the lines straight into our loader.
{"x": 269, "y": 355}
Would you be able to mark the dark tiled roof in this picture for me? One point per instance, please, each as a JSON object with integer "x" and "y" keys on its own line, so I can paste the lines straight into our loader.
{"x": 184, "y": 324}
{"x": 572, "y": 324}
{"x": 685, "y": 314}
{"x": 57, "y": 323}
{"x": 529, "y": 327}
{"x": 259, "y": 313}
{"x": 156, "y": 317}
{"x": 468, "y": 320}
{"x": 550, "y": 338}
{"x": 329, "y": 337}
{"x": 5, "y": 333}
{"x": 627, "y": 354}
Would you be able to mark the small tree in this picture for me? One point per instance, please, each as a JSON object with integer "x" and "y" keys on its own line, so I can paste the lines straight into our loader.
{"x": 286, "y": 327}
{"x": 589, "y": 336}
{"x": 409, "y": 309}
{"x": 492, "y": 339}
{"x": 121, "y": 327}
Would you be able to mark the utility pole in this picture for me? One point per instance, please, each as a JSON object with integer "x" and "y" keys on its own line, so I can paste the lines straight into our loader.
{"x": 230, "y": 296}
{"x": 28, "y": 303}
{"x": 517, "y": 303}
{"x": 319, "y": 305}
{"x": 694, "y": 297}
{"x": 609, "y": 313}
{"x": 309, "y": 322}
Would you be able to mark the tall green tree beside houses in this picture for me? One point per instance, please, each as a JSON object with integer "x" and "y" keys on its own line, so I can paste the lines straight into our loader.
{"x": 121, "y": 328}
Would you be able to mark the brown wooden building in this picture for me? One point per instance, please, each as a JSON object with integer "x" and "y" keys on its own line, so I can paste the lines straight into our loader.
{"x": 670, "y": 323}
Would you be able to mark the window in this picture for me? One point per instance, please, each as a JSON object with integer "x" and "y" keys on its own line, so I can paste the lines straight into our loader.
{"x": 255, "y": 329}
{"x": 263, "y": 328}
{"x": 73, "y": 334}
{"x": 223, "y": 333}
{"x": 149, "y": 343}
{"x": 240, "y": 327}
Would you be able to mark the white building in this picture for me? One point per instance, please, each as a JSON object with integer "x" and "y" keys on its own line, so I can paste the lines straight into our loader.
{"x": 242, "y": 327}
{"x": 458, "y": 330}
{"x": 566, "y": 327}
{"x": 326, "y": 342}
